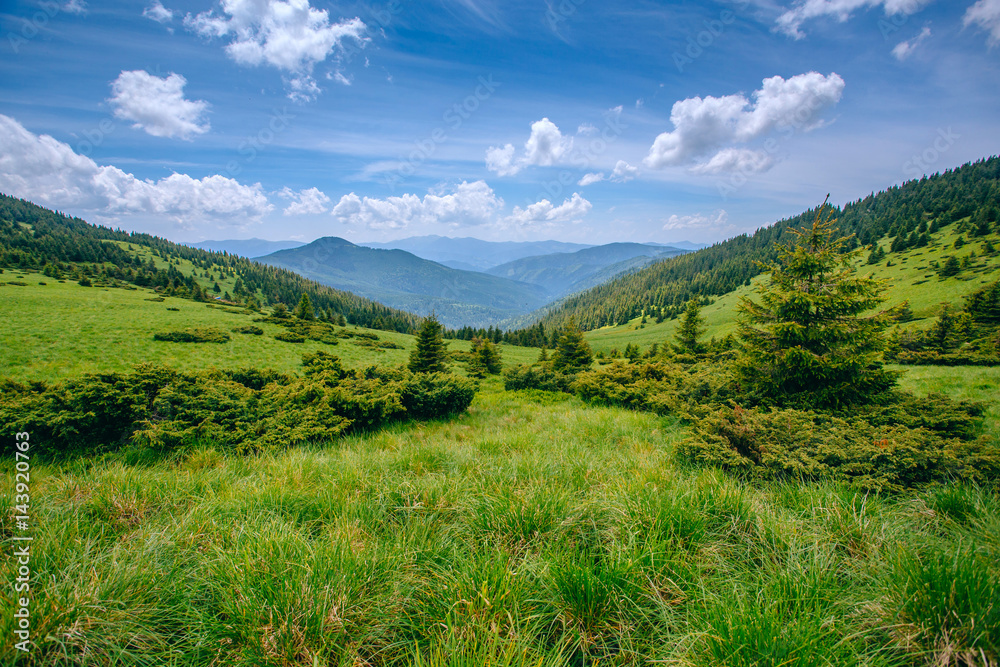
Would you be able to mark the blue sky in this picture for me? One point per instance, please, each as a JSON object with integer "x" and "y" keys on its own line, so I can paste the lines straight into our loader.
{"x": 577, "y": 120}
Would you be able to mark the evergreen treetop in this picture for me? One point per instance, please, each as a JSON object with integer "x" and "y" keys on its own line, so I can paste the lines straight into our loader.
{"x": 430, "y": 355}
{"x": 807, "y": 341}
{"x": 572, "y": 351}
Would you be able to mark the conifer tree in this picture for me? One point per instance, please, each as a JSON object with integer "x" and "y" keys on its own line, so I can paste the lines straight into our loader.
{"x": 806, "y": 341}
{"x": 430, "y": 355}
{"x": 304, "y": 311}
{"x": 572, "y": 352}
{"x": 692, "y": 326}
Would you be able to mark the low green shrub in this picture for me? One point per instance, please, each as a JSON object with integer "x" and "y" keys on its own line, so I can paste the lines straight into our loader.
{"x": 200, "y": 335}
{"x": 289, "y": 337}
{"x": 240, "y": 410}
{"x": 249, "y": 329}
{"x": 816, "y": 445}
{"x": 539, "y": 375}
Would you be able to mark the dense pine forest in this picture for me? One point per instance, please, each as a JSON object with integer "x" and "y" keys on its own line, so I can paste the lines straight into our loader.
{"x": 34, "y": 238}
{"x": 907, "y": 213}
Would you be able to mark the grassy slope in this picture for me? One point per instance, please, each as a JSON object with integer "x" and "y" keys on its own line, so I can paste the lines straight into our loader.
{"x": 910, "y": 278}
{"x": 529, "y": 529}
{"x": 60, "y": 330}
{"x": 519, "y": 533}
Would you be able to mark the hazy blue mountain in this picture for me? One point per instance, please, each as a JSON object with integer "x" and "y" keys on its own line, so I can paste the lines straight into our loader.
{"x": 246, "y": 247}
{"x": 474, "y": 254}
{"x": 683, "y": 245}
{"x": 402, "y": 280}
{"x": 564, "y": 273}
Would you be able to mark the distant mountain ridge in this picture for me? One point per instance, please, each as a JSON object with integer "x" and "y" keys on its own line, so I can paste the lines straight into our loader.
{"x": 473, "y": 254}
{"x": 565, "y": 273}
{"x": 402, "y": 280}
{"x": 246, "y": 247}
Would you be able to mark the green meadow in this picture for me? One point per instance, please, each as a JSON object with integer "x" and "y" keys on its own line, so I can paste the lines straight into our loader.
{"x": 531, "y": 530}
{"x": 58, "y": 330}
{"x": 909, "y": 278}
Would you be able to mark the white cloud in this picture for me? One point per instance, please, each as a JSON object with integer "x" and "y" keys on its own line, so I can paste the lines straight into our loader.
{"x": 75, "y": 7}
{"x": 469, "y": 204}
{"x": 790, "y": 22}
{"x": 985, "y": 14}
{"x": 623, "y": 172}
{"x": 305, "y": 202}
{"x": 903, "y": 50}
{"x": 715, "y": 220}
{"x": 707, "y": 126}
{"x": 157, "y": 105}
{"x": 290, "y": 36}
{"x": 157, "y": 12}
{"x": 50, "y": 173}
{"x": 587, "y": 129}
{"x": 545, "y": 146}
{"x": 544, "y": 212}
{"x": 501, "y": 160}
{"x": 590, "y": 179}
{"x": 741, "y": 160}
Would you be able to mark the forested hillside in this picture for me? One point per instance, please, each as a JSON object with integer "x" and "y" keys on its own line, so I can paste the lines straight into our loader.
{"x": 906, "y": 213}
{"x": 32, "y": 237}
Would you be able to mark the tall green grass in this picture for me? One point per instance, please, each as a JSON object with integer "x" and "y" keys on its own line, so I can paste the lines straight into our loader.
{"x": 519, "y": 533}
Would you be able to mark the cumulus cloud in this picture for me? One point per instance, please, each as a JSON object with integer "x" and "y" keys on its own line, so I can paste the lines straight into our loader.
{"x": 623, "y": 172}
{"x": 545, "y": 146}
{"x": 500, "y": 160}
{"x": 903, "y": 50}
{"x": 715, "y": 220}
{"x": 47, "y": 171}
{"x": 736, "y": 160}
{"x": 157, "y": 12}
{"x": 305, "y": 202}
{"x": 290, "y": 36}
{"x": 157, "y": 105}
{"x": 986, "y": 15}
{"x": 790, "y": 22}
{"x": 544, "y": 212}
{"x": 708, "y": 126}
{"x": 468, "y": 204}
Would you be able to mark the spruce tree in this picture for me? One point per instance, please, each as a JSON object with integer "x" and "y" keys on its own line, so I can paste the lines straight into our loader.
{"x": 304, "y": 311}
{"x": 572, "y": 351}
{"x": 692, "y": 326}
{"x": 430, "y": 355}
{"x": 807, "y": 342}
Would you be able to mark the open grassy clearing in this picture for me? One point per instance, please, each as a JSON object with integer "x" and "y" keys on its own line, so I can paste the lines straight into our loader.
{"x": 531, "y": 530}
{"x": 910, "y": 278}
{"x": 60, "y": 330}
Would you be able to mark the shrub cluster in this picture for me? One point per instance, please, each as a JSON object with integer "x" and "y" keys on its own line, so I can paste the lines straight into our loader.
{"x": 199, "y": 335}
{"x": 903, "y": 442}
{"x": 243, "y": 410}
{"x": 249, "y": 329}
{"x": 540, "y": 375}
